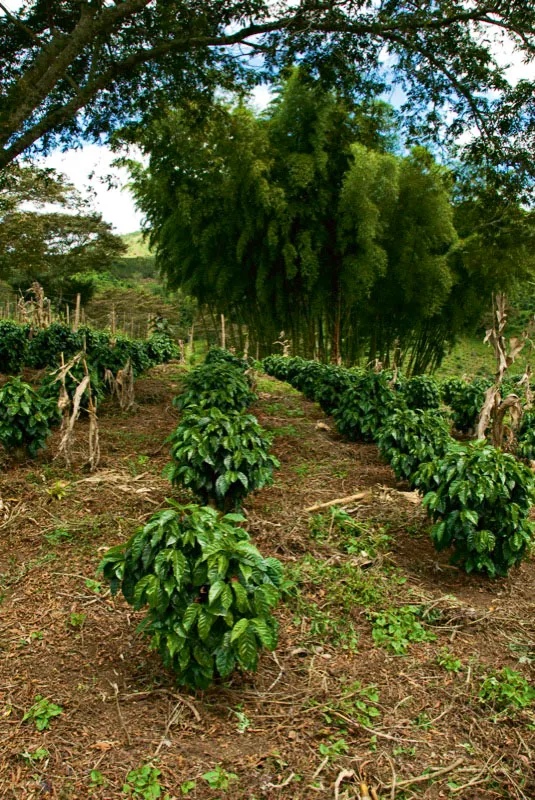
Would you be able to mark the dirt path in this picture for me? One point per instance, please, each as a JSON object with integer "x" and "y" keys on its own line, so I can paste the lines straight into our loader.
{"x": 335, "y": 698}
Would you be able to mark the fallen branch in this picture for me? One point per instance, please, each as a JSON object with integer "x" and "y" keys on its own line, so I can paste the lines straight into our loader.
{"x": 429, "y": 777}
{"x": 339, "y": 501}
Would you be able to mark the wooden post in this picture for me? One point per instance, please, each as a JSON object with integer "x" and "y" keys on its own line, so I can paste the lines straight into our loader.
{"x": 67, "y": 315}
{"x": 223, "y": 337}
{"x": 190, "y": 339}
{"x": 112, "y": 320}
{"x": 77, "y": 312}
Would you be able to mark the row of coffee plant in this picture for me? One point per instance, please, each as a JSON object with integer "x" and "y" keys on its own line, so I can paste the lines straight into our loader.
{"x": 24, "y": 346}
{"x": 28, "y": 415}
{"x": 478, "y": 496}
{"x": 209, "y": 592}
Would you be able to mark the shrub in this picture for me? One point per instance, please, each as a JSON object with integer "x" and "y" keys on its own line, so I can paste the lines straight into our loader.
{"x": 335, "y": 381}
{"x": 480, "y": 500}
{"x": 208, "y": 590}
{"x": 364, "y": 407}
{"x": 160, "y": 349}
{"x": 24, "y": 417}
{"x": 13, "y": 346}
{"x": 220, "y": 456}
{"x": 217, "y": 355}
{"x": 450, "y": 387}
{"x": 421, "y": 392}
{"x": 410, "y": 438}
{"x": 526, "y": 436}
{"x": 466, "y": 403}
{"x": 46, "y": 346}
{"x": 220, "y": 386}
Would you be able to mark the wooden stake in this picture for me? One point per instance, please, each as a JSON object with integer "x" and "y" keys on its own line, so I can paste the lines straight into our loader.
{"x": 223, "y": 338}
{"x": 77, "y": 312}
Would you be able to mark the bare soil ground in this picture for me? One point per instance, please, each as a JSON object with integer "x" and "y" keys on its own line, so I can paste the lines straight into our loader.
{"x": 332, "y": 707}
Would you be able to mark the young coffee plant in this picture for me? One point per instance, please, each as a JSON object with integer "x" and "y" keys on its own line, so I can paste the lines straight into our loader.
{"x": 218, "y": 385}
{"x": 410, "y": 438}
{"x": 450, "y": 387}
{"x": 525, "y": 436}
{"x": 421, "y": 392}
{"x": 220, "y": 456}
{"x": 365, "y": 407}
{"x": 334, "y": 382}
{"x": 25, "y": 418}
{"x": 209, "y": 592}
{"x": 13, "y": 346}
{"x": 480, "y": 499}
{"x": 217, "y": 355}
{"x": 466, "y": 403}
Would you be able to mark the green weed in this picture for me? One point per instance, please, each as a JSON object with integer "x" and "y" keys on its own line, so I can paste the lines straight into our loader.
{"x": 505, "y": 690}
{"x": 42, "y": 712}
{"x": 219, "y": 778}
{"x": 396, "y": 628}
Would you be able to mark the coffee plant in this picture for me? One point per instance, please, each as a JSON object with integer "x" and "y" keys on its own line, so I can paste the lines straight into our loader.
{"x": 208, "y": 590}
{"x": 13, "y": 346}
{"x": 217, "y": 355}
{"x": 480, "y": 499}
{"x": 410, "y": 438}
{"x": 334, "y": 382}
{"x": 218, "y": 385}
{"x": 25, "y": 418}
{"x": 46, "y": 346}
{"x": 220, "y": 456}
{"x": 450, "y": 387}
{"x": 466, "y": 403}
{"x": 421, "y": 392}
{"x": 525, "y": 437}
{"x": 365, "y": 407}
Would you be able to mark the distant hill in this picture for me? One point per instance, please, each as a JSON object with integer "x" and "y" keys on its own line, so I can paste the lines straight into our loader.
{"x": 137, "y": 245}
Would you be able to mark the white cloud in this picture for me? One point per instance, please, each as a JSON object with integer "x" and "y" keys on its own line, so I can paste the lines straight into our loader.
{"x": 87, "y": 168}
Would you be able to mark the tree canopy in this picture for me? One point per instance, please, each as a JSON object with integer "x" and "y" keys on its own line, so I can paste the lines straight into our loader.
{"x": 309, "y": 218}
{"x": 76, "y": 70}
{"x": 48, "y": 235}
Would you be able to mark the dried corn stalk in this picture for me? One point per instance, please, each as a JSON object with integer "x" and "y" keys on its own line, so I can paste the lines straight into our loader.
{"x": 122, "y": 385}
{"x": 495, "y": 408}
{"x": 284, "y": 343}
{"x": 71, "y": 408}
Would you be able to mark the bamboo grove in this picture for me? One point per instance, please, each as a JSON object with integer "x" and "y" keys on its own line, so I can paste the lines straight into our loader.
{"x": 315, "y": 219}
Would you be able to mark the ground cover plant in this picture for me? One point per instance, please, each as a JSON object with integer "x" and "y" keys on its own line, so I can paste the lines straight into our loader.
{"x": 208, "y": 590}
{"x": 480, "y": 499}
{"x": 220, "y": 456}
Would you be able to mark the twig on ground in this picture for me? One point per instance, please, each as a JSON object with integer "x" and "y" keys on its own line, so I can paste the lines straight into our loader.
{"x": 436, "y": 773}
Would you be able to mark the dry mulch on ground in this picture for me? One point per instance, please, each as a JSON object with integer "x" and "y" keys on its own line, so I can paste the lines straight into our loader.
{"x": 295, "y": 729}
